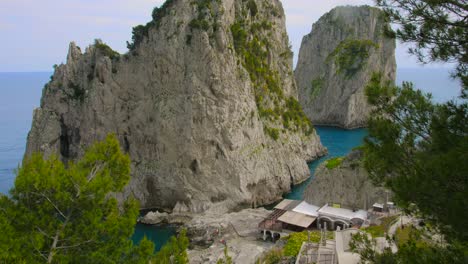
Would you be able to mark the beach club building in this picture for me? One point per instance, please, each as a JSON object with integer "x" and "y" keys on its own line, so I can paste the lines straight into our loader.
{"x": 297, "y": 216}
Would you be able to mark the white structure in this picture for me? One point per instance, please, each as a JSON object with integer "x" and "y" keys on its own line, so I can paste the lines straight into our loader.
{"x": 344, "y": 218}
{"x": 297, "y": 215}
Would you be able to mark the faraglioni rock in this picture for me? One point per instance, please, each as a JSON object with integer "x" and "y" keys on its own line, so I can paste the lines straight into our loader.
{"x": 346, "y": 183}
{"x": 337, "y": 59}
{"x": 204, "y": 103}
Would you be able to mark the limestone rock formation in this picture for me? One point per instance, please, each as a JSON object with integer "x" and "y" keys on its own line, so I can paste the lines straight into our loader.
{"x": 348, "y": 184}
{"x": 204, "y": 103}
{"x": 336, "y": 61}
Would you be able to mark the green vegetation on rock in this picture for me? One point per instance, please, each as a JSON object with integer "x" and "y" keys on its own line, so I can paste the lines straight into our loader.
{"x": 78, "y": 93}
{"x": 251, "y": 42}
{"x": 315, "y": 87}
{"x": 226, "y": 258}
{"x": 205, "y": 11}
{"x": 252, "y": 6}
{"x": 106, "y": 50}
{"x": 140, "y": 32}
{"x": 351, "y": 55}
{"x": 333, "y": 163}
{"x": 272, "y": 132}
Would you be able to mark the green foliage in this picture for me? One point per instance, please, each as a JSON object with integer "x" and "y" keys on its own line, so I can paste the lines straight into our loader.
{"x": 382, "y": 229}
{"x": 438, "y": 30}
{"x": 351, "y": 55}
{"x": 205, "y": 10}
{"x": 227, "y": 259}
{"x": 417, "y": 148}
{"x": 411, "y": 252}
{"x": 293, "y": 114}
{"x": 295, "y": 240}
{"x": 365, "y": 246}
{"x": 419, "y": 151}
{"x": 160, "y": 12}
{"x": 140, "y": 32}
{"x": 272, "y": 132}
{"x": 78, "y": 93}
{"x": 333, "y": 163}
{"x": 270, "y": 99}
{"x": 239, "y": 34}
{"x": 252, "y": 6}
{"x": 315, "y": 87}
{"x": 105, "y": 50}
{"x": 175, "y": 251}
{"x": 61, "y": 213}
{"x": 407, "y": 234}
{"x": 274, "y": 256}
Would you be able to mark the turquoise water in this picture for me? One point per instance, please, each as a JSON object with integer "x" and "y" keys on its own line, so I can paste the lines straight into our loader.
{"x": 159, "y": 234}
{"x": 339, "y": 143}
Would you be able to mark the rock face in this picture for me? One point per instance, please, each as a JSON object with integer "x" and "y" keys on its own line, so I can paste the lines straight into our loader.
{"x": 336, "y": 61}
{"x": 204, "y": 103}
{"x": 348, "y": 184}
{"x": 239, "y": 229}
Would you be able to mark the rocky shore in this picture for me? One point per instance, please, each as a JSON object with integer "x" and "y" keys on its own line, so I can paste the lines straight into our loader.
{"x": 208, "y": 231}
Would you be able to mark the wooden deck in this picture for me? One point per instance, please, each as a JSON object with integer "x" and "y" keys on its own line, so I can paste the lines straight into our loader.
{"x": 271, "y": 222}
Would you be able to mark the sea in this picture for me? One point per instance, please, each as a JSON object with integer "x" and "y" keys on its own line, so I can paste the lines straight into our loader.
{"x": 20, "y": 93}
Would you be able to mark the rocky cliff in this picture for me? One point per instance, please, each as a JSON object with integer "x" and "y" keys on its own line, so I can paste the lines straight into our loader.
{"x": 336, "y": 61}
{"x": 204, "y": 103}
{"x": 346, "y": 182}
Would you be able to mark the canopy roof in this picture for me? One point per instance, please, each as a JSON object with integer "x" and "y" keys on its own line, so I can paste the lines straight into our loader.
{"x": 342, "y": 213}
{"x": 296, "y": 219}
{"x": 307, "y": 209}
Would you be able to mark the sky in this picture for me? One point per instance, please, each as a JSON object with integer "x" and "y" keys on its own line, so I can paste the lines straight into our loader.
{"x": 36, "y": 33}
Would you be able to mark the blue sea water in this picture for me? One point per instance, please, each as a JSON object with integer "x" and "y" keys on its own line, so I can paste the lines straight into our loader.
{"x": 20, "y": 93}
{"x": 339, "y": 142}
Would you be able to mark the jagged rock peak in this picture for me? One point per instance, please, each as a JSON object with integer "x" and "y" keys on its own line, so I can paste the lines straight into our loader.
{"x": 336, "y": 61}
{"x": 204, "y": 103}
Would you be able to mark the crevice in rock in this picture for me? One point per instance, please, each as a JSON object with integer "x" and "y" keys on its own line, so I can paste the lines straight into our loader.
{"x": 126, "y": 144}
{"x": 194, "y": 166}
{"x": 64, "y": 140}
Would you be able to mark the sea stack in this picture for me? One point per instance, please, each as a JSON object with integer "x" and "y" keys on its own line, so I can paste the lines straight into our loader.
{"x": 344, "y": 181}
{"x": 205, "y": 103}
{"x": 336, "y": 60}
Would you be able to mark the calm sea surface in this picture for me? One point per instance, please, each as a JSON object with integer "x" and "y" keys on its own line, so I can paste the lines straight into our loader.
{"x": 20, "y": 93}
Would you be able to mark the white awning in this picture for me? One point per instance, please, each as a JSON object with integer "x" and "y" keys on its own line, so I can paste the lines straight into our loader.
{"x": 297, "y": 219}
{"x": 377, "y": 205}
{"x": 307, "y": 209}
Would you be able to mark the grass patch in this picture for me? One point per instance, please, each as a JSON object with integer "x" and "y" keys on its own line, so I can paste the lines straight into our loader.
{"x": 380, "y": 230}
{"x": 404, "y": 235}
{"x": 273, "y": 256}
{"x": 295, "y": 240}
{"x": 333, "y": 163}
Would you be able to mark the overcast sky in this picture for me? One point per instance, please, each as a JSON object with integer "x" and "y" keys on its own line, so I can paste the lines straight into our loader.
{"x": 36, "y": 33}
